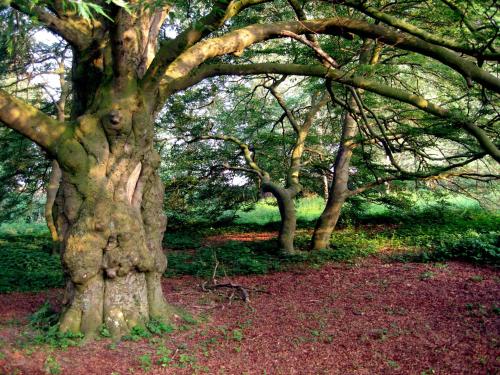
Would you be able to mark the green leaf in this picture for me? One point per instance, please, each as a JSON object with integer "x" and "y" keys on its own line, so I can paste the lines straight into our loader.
{"x": 122, "y": 4}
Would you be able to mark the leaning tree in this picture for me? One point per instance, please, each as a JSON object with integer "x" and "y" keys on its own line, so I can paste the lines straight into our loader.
{"x": 284, "y": 193}
{"x": 108, "y": 209}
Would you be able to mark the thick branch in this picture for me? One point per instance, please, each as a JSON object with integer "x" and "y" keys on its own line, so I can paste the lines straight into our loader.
{"x": 75, "y": 30}
{"x": 341, "y": 77}
{"x": 30, "y": 122}
{"x": 150, "y": 37}
{"x": 420, "y": 33}
{"x": 237, "y": 41}
{"x": 172, "y": 48}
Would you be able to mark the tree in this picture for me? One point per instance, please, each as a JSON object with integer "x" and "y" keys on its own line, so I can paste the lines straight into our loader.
{"x": 287, "y": 192}
{"x": 109, "y": 203}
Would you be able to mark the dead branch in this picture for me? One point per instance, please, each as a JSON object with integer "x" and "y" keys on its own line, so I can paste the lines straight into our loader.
{"x": 244, "y": 295}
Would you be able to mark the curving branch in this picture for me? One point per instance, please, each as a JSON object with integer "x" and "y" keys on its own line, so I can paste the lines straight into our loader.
{"x": 75, "y": 30}
{"x": 288, "y": 113}
{"x": 235, "y": 42}
{"x": 30, "y": 122}
{"x": 434, "y": 38}
{"x": 456, "y": 119}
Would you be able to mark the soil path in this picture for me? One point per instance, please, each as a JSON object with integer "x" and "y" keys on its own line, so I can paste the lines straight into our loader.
{"x": 368, "y": 318}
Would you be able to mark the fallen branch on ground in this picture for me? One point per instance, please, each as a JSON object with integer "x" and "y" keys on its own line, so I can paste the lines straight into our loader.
{"x": 242, "y": 290}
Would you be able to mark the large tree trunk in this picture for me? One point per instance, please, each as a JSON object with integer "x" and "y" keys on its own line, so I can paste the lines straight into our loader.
{"x": 110, "y": 216}
{"x": 288, "y": 224}
{"x": 111, "y": 222}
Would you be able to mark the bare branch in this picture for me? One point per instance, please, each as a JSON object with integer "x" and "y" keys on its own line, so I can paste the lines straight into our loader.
{"x": 243, "y": 147}
{"x": 439, "y": 172}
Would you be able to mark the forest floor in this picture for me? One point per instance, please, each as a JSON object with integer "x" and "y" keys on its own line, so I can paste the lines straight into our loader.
{"x": 367, "y": 317}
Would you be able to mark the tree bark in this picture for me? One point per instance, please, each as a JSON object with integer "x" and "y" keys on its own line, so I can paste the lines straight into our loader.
{"x": 339, "y": 190}
{"x": 110, "y": 220}
{"x": 288, "y": 224}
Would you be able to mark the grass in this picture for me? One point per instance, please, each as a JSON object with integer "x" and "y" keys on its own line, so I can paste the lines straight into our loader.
{"x": 266, "y": 211}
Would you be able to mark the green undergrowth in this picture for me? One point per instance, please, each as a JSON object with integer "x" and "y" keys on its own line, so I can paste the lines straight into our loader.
{"x": 426, "y": 233}
{"x": 182, "y": 240}
{"x": 43, "y": 329}
{"x": 470, "y": 236}
{"x": 422, "y": 231}
{"x": 26, "y": 262}
{"x": 260, "y": 257}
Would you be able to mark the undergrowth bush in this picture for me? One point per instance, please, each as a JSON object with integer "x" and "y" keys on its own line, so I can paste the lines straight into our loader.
{"x": 182, "y": 240}
{"x": 231, "y": 258}
{"x": 45, "y": 324}
{"x": 25, "y": 260}
{"x": 474, "y": 247}
{"x": 259, "y": 257}
{"x": 25, "y": 269}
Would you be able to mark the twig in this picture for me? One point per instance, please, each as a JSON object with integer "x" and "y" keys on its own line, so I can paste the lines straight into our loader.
{"x": 242, "y": 290}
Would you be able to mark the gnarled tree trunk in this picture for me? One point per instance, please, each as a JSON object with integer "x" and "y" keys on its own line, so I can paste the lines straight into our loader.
{"x": 111, "y": 222}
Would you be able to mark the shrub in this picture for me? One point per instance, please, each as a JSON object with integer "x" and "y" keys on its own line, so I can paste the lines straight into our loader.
{"x": 45, "y": 323}
{"x": 26, "y": 269}
{"x": 182, "y": 240}
{"x": 473, "y": 247}
{"x": 232, "y": 258}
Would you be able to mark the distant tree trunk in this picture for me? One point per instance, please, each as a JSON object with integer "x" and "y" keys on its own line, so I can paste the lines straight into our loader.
{"x": 288, "y": 224}
{"x": 339, "y": 190}
{"x": 326, "y": 187}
